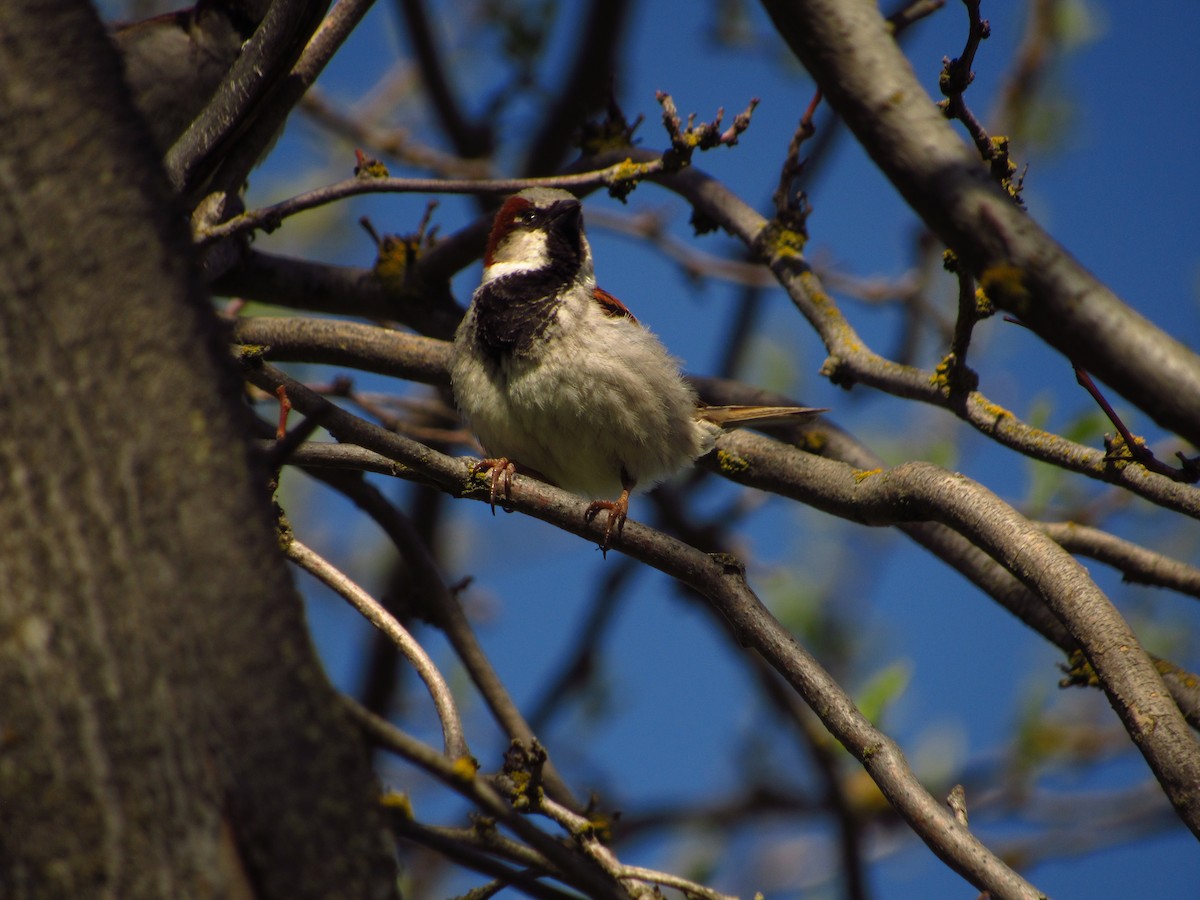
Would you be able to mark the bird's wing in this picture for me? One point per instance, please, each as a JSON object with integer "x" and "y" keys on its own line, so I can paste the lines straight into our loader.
{"x": 611, "y": 305}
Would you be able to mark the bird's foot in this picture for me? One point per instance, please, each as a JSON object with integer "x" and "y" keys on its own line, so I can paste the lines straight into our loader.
{"x": 618, "y": 512}
{"x": 502, "y": 470}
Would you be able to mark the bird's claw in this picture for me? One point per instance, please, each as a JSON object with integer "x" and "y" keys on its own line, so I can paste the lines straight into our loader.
{"x": 618, "y": 512}
{"x": 501, "y": 472}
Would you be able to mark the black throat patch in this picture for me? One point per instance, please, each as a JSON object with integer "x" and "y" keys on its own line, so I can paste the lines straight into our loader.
{"x": 511, "y": 313}
{"x": 514, "y": 311}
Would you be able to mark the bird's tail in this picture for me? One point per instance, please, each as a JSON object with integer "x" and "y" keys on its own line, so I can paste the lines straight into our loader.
{"x": 732, "y": 416}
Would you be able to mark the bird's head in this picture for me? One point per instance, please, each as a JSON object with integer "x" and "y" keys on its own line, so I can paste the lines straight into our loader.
{"x": 538, "y": 235}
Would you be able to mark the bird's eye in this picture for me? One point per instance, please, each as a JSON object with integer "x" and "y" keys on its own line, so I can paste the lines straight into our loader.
{"x": 525, "y": 217}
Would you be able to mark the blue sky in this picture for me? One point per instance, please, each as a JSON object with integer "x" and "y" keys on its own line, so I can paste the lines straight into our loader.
{"x": 1117, "y": 189}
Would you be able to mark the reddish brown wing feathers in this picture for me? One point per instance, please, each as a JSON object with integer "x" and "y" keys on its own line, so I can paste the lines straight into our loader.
{"x": 611, "y": 305}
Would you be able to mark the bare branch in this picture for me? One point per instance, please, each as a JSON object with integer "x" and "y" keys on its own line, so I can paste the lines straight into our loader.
{"x": 478, "y": 848}
{"x": 391, "y": 141}
{"x": 373, "y": 612}
{"x": 567, "y": 866}
{"x": 366, "y": 347}
{"x": 851, "y": 361}
{"x": 923, "y": 492}
{"x": 471, "y": 140}
{"x": 328, "y": 37}
{"x": 721, "y": 581}
{"x": 705, "y": 136}
{"x": 402, "y": 355}
{"x": 268, "y": 218}
{"x": 344, "y": 290}
{"x": 846, "y": 46}
{"x": 271, "y": 50}
{"x": 440, "y": 604}
{"x": 1136, "y": 563}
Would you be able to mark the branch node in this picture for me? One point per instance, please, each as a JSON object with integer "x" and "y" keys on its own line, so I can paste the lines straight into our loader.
{"x": 957, "y": 801}
{"x": 522, "y": 774}
{"x": 685, "y": 141}
{"x": 368, "y": 166}
{"x": 397, "y": 254}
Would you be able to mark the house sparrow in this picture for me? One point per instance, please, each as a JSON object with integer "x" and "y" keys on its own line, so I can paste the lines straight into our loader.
{"x": 556, "y": 376}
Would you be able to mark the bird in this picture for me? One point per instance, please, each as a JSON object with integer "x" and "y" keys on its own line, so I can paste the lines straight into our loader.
{"x": 558, "y": 379}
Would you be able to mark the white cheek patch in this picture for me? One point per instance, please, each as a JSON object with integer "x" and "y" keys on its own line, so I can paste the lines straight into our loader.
{"x": 521, "y": 251}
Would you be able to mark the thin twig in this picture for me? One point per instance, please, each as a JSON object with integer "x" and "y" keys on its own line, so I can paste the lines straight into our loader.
{"x": 583, "y": 831}
{"x": 968, "y": 316}
{"x": 791, "y": 206}
{"x": 649, "y": 227}
{"x": 391, "y": 141}
{"x": 373, "y": 611}
{"x": 576, "y": 870}
{"x": 1136, "y": 448}
{"x": 957, "y": 77}
{"x": 478, "y": 848}
{"x": 445, "y": 612}
{"x": 269, "y": 217}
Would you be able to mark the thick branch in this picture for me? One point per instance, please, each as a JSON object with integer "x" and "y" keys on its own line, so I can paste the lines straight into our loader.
{"x": 422, "y": 359}
{"x": 846, "y": 47}
{"x": 922, "y": 492}
{"x": 274, "y": 46}
{"x": 721, "y": 581}
{"x": 851, "y": 360}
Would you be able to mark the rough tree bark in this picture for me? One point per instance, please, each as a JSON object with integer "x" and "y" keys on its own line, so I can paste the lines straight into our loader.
{"x": 165, "y": 728}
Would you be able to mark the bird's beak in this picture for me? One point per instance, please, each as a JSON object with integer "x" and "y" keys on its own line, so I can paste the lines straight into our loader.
{"x": 566, "y": 213}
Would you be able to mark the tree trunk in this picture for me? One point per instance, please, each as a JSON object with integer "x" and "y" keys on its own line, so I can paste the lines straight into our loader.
{"x": 165, "y": 728}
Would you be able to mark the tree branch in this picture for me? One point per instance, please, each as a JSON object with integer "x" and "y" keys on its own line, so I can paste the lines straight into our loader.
{"x": 920, "y": 491}
{"x": 851, "y": 360}
{"x": 573, "y": 869}
{"x": 268, "y": 218}
{"x": 340, "y": 290}
{"x": 470, "y": 139}
{"x": 271, "y": 50}
{"x": 721, "y": 581}
{"x": 326, "y": 39}
{"x": 398, "y": 354}
{"x": 440, "y": 605}
{"x": 846, "y": 47}
{"x": 371, "y": 609}
{"x": 1137, "y": 564}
